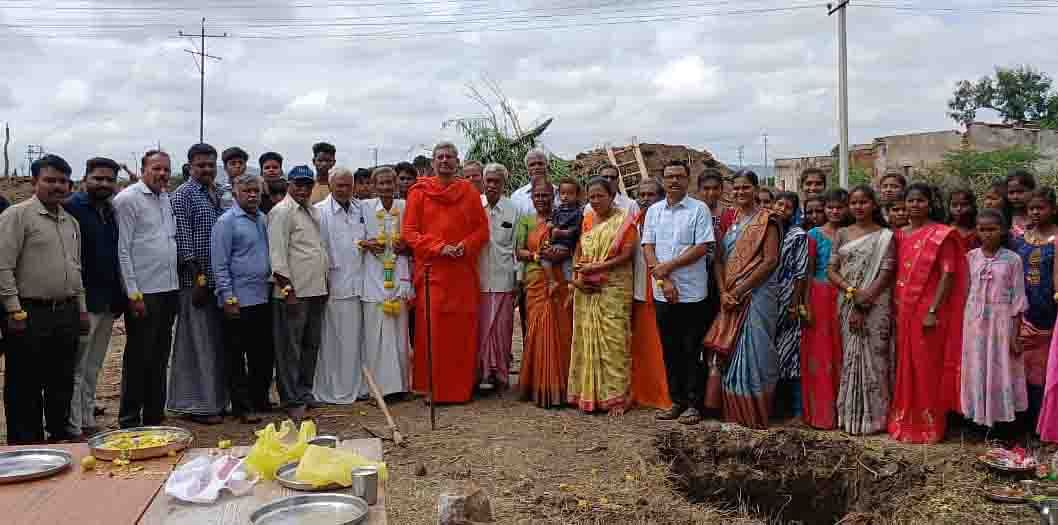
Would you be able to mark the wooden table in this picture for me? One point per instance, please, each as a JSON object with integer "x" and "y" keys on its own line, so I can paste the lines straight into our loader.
{"x": 230, "y": 510}
{"x": 83, "y": 497}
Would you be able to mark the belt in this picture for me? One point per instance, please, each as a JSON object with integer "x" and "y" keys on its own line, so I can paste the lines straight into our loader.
{"x": 53, "y": 304}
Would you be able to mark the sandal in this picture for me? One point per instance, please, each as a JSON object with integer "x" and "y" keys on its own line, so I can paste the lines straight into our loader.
{"x": 690, "y": 417}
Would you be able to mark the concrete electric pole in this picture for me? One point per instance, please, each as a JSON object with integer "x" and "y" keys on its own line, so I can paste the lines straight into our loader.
{"x": 200, "y": 57}
{"x": 843, "y": 93}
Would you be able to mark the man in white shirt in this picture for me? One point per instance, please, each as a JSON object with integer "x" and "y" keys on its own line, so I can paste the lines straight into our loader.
{"x": 338, "y": 375}
{"x": 496, "y": 272}
{"x": 387, "y": 289}
{"x": 676, "y": 238}
{"x": 147, "y": 256}
{"x": 536, "y": 164}
{"x": 620, "y": 200}
{"x": 538, "y": 168}
{"x": 299, "y": 266}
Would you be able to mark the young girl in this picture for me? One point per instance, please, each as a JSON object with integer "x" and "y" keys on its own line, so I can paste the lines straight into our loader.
{"x": 790, "y": 292}
{"x": 929, "y": 299}
{"x": 814, "y": 213}
{"x": 820, "y": 339}
{"x": 962, "y": 215}
{"x": 896, "y": 213}
{"x": 993, "y": 369}
{"x": 862, "y": 266}
{"x": 995, "y": 198}
{"x": 765, "y": 197}
{"x": 1036, "y": 249}
{"x": 1020, "y": 184}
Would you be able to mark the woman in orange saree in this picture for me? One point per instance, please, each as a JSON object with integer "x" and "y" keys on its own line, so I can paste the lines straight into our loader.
{"x": 598, "y": 372}
{"x": 549, "y": 328}
{"x": 649, "y": 382}
{"x": 929, "y": 299}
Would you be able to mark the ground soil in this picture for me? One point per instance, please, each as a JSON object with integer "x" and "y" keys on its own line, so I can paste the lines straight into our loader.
{"x": 16, "y": 189}
{"x": 563, "y": 467}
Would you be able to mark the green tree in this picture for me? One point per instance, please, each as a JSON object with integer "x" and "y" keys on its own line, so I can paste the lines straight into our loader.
{"x": 1020, "y": 94}
{"x": 977, "y": 170}
{"x": 498, "y": 136}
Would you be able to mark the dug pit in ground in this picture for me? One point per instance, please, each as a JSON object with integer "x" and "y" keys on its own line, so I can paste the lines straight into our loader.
{"x": 787, "y": 476}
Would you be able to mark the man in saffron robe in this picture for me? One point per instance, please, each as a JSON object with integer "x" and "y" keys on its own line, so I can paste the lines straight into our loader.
{"x": 446, "y": 228}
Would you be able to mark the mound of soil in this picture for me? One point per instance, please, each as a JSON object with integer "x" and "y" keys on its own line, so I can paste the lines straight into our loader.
{"x": 16, "y": 189}
{"x": 789, "y": 475}
{"x": 655, "y": 156}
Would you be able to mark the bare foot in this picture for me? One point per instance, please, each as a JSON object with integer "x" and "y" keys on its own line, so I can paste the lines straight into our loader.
{"x": 617, "y": 411}
{"x": 796, "y": 421}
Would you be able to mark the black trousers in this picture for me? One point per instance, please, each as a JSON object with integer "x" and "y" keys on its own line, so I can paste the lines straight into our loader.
{"x": 249, "y": 358}
{"x": 145, "y": 363}
{"x": 38, "y": 375}
{"x": 682, "y": 327}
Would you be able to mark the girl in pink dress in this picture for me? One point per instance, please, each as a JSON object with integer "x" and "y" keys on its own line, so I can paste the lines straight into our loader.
{"x": 993, "y": 369}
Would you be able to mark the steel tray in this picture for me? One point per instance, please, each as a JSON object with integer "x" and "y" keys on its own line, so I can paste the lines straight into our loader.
{"x": 312, "y": 509}
{"x": 182, "y": 439}
{"x": 32, "y": 463}
{"x": 285, "y": 477}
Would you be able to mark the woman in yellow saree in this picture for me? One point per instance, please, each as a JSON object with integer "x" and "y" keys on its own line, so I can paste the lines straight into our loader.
{"x": 602, "y": 300}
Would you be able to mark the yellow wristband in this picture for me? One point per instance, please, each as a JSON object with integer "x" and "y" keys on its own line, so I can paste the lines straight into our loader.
{"x": 20, "y": 315}
{"x": 201, "y": 280}
{"x": 138, "y": 296}
{"x": 232, "y": 300}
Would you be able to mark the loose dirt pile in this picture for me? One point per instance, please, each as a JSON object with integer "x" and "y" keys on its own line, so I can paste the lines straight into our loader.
{"x": 16, "y": 189}
{"x": 655, "y": 156}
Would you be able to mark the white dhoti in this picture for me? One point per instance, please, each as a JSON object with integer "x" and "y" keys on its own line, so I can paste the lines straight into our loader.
{"x": 386, "y": 348}
{"x": 338, "y": 377}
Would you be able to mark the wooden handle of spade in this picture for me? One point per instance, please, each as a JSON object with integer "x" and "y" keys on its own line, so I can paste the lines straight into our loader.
{"x": 397, "y": 437}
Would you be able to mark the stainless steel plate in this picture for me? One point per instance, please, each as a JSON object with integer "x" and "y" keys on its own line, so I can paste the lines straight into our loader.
{"x": 32, "y": 463}
{"x": 312, "y": 509}
{"x": 285, "y": 477}
{"x": 325, "y": 441}
{"x": 181, "y": 438}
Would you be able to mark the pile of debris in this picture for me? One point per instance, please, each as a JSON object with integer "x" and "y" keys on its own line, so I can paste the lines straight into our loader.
{"x": 632, "y": 159}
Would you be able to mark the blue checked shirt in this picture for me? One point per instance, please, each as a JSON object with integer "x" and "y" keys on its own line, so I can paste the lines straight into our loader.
{"x": 196, "y": 211}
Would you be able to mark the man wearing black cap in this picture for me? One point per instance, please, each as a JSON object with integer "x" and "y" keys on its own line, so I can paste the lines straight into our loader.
{"x": 44, "y": 305}
{"x": 299, "y": 266}
{"x": 105, "y": 294}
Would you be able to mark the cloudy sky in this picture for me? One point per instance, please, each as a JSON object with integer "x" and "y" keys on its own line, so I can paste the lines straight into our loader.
{"x": 112, "y": 78}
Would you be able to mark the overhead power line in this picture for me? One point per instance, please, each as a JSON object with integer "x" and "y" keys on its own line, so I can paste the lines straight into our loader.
{"x": 483, "y": 25}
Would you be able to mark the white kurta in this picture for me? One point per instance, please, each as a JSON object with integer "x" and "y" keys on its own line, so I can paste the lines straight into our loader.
{"x": 386, "y": 344}
{"x": 339, "y": 378}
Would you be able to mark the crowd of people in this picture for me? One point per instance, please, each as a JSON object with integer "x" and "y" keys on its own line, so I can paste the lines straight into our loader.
{"x": 863, "y": 310}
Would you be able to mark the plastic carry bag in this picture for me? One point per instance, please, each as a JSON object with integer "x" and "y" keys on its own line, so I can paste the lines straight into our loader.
{"x": 201, "y": 479}
{"x": 275, "y": 448}
{"x": 322, "y": 466}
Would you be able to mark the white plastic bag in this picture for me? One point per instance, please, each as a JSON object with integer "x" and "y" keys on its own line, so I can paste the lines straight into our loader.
{"x": 201, "y": 479}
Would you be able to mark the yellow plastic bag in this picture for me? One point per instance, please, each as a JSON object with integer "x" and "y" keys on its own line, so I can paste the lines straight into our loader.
{"x": 275, "y": 448}
{"x": 323, "y": 466}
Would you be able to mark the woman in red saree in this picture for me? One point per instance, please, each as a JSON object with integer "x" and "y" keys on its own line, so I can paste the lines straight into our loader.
{"x": 446, "y": 228}
{"x": 549, "y": 310}
{"x": 929, "y": 298}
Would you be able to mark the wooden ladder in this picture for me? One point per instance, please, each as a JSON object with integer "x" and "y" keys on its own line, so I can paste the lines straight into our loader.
{"x": 630, "y": 166}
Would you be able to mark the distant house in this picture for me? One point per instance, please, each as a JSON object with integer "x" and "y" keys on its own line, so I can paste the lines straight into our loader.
{"x": 913, "y": 153}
